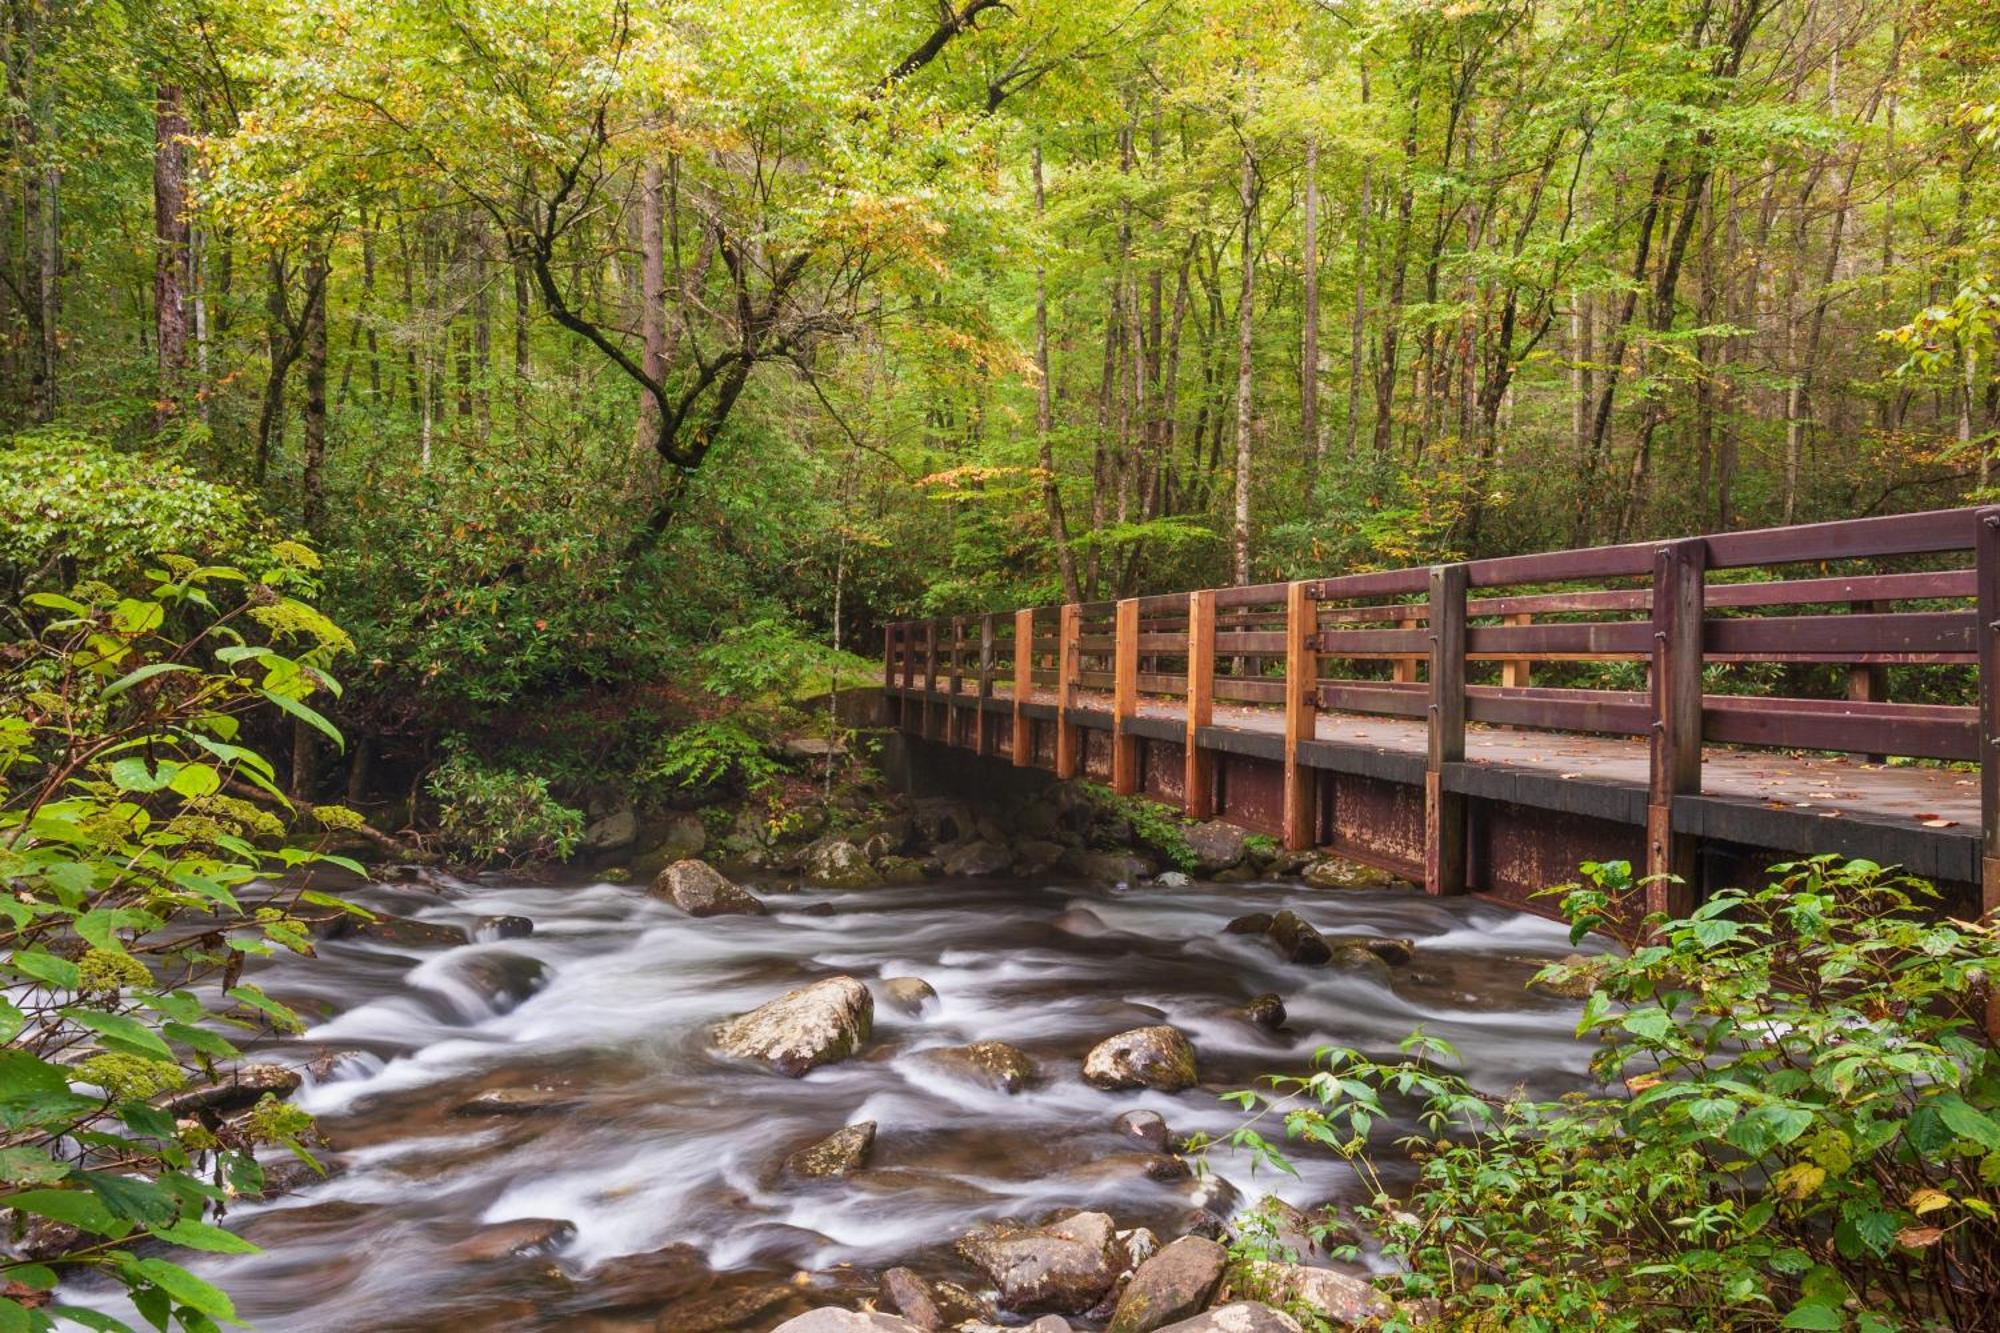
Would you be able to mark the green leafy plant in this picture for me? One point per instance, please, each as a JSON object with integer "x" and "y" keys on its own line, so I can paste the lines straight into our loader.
{"x": 490, "y": 813}
{"x": 1154, "y": 826}
{"x": 714, "y": 756}
{"x": 1798, "y": 1127}
{"x": 129, "y": 854}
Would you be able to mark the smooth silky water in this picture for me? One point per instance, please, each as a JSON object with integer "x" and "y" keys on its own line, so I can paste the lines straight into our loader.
{"x": 655, "y": 1140}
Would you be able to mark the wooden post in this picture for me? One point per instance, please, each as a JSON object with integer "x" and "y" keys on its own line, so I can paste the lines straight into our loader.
{"x": 1404, "y": 669}
{"x": 1675, "y": 761}
{"x": 1198, "y": 780}
{"x": 1301, "y": 715}
{"x": 909, "y": 655}
{"x": 1444, "y": 812}
{"x": 982, "y": 720}
{"x": 1024, "y": 685}
{"x": 1986, "y": 562}
{"x": 1869, "y": 682}
{"x": 1515, "y": 675}
{"x": 890, "y": 711}
{"x": 954, "y": 721}
{"x": 1125, "y": 698}
{"x": 930, "y": 678}
{"x": 1068, "y": 650}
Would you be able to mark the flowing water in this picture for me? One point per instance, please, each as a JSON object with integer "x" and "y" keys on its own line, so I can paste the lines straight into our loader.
{"x": 646, "y": 1142}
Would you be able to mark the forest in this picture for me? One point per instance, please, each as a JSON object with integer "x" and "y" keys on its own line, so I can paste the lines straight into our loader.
{"x": 433, "y": 432}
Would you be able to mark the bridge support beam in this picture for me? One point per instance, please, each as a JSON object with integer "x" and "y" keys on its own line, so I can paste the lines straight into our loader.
{"x": 1022, "y": 732}
{"x": 1198, "y": 780}
{"x": 1674, "y": 761}
{"x": 1301, "y": 714}
{"x": 1125, "y": 698}
{"x": 1444, "y": 811}
{"x": 1068, "y": 743}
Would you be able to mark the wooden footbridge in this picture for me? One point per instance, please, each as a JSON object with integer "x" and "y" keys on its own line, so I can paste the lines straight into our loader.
{"x": 1701, "y": 707}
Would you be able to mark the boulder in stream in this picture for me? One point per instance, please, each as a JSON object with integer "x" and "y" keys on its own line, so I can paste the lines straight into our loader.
{"x": 833, "y": 1319}
{"x": 991, "y": 1064}
{"x": 838, "y": 1153}
{"x": 1251, "y": 923}
{"x": 1174, "y": 1284}
{"x": 699, "y": 889}
{"x": 1298, "y": 941}
{"x": 1266, "y": 1011}
{"x": 513, "y": 1239}
{"x": 930, "y": 1305}
{"x": 976, "y": 859}
{"x": 910, "y": 995}
{"x": 835, "y": 863}
{"x": 1340, "y": 1300}
{"x": 803, "y": 1029}
{"x": 503, "y": 928}
{"x": 537, "y": 1099}
{"x": 1216, "y": 845}
{"x": 1157, "y": 1057}
{"x": 1337, "y": 872}
{"x": 1147, "y": 1127}
{"x": 1062, "y": 1268}
{"x": 245, "y": 1085}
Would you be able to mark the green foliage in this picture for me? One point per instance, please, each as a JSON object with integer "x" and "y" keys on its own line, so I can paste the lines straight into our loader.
{"x": 768, "y": 658}
{"x": 69, "y": 497}
{"x": 488, "y": 813}
{"x": 1154, "y": 826}
{"x": 1799, "y": 1128}
{"x": 121, "y": 739}
{"x": 712, "y": 757}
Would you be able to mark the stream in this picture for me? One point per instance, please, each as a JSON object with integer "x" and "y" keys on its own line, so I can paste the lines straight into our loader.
{"x": 640, "y": 1168}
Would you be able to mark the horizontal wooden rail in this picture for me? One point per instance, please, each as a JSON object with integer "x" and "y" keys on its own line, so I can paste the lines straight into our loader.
{"x": 1798, "y": 598}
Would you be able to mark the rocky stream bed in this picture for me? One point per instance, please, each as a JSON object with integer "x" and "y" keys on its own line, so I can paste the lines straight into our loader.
{"x": 693, "y": 1102}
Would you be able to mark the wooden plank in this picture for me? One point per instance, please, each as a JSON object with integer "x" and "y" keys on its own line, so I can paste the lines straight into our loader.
{"x": 1240, "y": 689}
{"x": 1125, "y": 700}
{"x": 1024, "y": 685}
{"x": 1301, "y": 716}
{"x": 1986, "y": 560}
{"x": 1263, "y": 642}
{"x": 930, "y": 679}
{"x": 1257, "y": 594}
{"x": 1846, "y": 539}
{"x": 1444, "y": 811}
{"x": 1595, "y": 562}
{"x": 1068, "y": 744}
{"x": 1613, "y": 638}
{"x": 1405, "y": 669}
{"x": 1374, "y": 642}
{"x": 1674, "y": 758}
{"x": 1383, "y": 583}
{"x": 1198, "y": 779}
{"x": 1897, "y": 632}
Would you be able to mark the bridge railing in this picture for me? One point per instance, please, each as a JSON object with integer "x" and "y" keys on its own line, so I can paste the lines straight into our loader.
{"x": 1462, "y": 643}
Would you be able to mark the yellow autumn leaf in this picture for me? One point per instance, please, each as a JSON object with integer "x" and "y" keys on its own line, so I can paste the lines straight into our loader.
{"x": 1800, "y": 1180}
{"x": 1929, "y": 1201}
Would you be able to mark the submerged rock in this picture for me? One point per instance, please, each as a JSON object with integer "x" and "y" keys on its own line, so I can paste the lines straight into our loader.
{"x": 803, "y": 1029}
{"x": 1389, "y": 949}
{"x": 1174, "y": 1284}
{"x": 835, "y": 863}
{"x": 1252, "y": 923}
{"x": 910, "y": 995}
{"x": 1153, "y": 1057}
{"x": 513, "y": 1239}
{"x": 1574, "y": 978}
{"x": 837, "y": 1154}
{"x": 647, "y": 1279}
{"x": 502, "y": 977}
{"x": 503, "y": 928}
{"x": 1266, "y": 1011}
{"x": 1147, "y": 1127}
{"x": 535, "y": 1100}
{"x": 1063, "y": 1268}
{"x": 1298, "y": 941}
{"x": 992, "y": 1064}
{"x": 699, "y": 889}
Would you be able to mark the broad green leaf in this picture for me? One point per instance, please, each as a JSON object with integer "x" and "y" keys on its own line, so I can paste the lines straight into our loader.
{"x": 123, "y": 1031}
{"x": 79, "y": 1208}
{"x": 202, "y": 1236}
{"x": 307, "y": 716}
{"x": 46, "y": 968}
{"x": 188, "y": 1289}
{"x": 29, "y": 1166}
{"x": 140, "y": 674}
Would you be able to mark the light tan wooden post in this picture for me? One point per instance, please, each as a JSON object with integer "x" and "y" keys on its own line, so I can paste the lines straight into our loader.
{"x": 1068, "y": 649}
{"x": 1125, "y": 698}
{"x": 1301, "y": 713}
{"x": 1404, "y": 669}
{"x": 1024, "y": 685}
{"x": 1516, "y": 675}
{"x": 1198, "y": 780}
{"x": 982, "y": 718}
{"x": 1674, "y": 762}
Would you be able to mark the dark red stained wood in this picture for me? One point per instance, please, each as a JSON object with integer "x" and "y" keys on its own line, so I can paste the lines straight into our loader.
{"x": 1623, "y": 638}
{"x": 1173, "y": 641}
{"x": 1595, "y": 562}
{"x": 1847, "y": 539}
{"x": 1164, "y": 604}
{"x": 1986, "y": 559}
{"x": 1920, "y": 731}
{"x": 1607, "y": 712}
{"x": 1260, "y": 594}
{"x": 1250, "y": 691}
{"x": 1900, "y": 632}
{"x": 1387, "y": 583}
{"x": 1270, "y": 643}
{"x": 1373, "y": 642}
{"x": 1386, "y": 698}
{"x": 1444, "y": 811}
{"x": 1674, "y": 762}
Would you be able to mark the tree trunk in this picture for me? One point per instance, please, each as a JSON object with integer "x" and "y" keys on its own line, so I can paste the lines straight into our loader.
{"x": 313, "y": 435}
{"x": 1309, "y": 434}
{"x": 652, "y": 300}
{"x": 1051, "y": 492}
{"x": 170, "y": 253}
{"x": 1245, "y": 326}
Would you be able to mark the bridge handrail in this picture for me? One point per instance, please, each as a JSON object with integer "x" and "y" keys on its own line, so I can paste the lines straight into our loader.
{"x": 1425, "y": 628}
